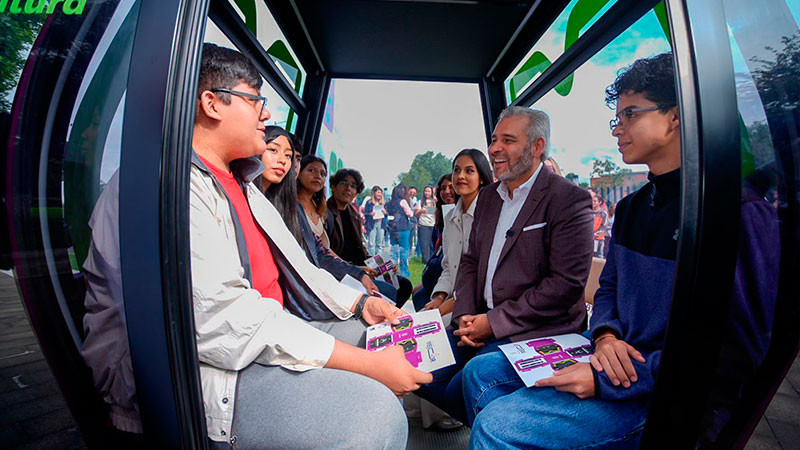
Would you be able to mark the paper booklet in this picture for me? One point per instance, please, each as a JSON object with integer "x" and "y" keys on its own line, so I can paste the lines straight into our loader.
{"x": 378, "y": 209}
{"x": 421, "y": 335}
{"x": 355, "y": 284}
{"x": 540, "y": 358}
{"x": 384, "y": 265}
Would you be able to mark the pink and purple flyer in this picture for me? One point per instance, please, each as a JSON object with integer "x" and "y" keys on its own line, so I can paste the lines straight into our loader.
{"x": 421, "y": 335}
{"x": 540, "y": 358}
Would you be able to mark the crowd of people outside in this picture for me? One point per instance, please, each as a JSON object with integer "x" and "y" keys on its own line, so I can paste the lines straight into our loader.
{"x": 507, "y": 243}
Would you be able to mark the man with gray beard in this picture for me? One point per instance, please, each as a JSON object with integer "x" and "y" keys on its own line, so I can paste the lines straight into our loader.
{"x": 528, "y": 258}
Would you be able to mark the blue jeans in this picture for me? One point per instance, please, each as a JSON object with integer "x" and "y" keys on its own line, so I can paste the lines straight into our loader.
{"x": 504, "y": 414}
{"x": 375, "y": 241}
{"x": 424, "y": 244}
{"x": 446, "y": 391}
{"x": 400, "y": 247}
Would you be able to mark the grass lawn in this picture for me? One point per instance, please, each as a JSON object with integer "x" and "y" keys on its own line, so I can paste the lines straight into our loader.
{"x": 415, "y": 266}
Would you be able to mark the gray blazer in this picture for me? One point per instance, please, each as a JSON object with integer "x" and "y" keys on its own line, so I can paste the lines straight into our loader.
{"x": 543, "y": 267}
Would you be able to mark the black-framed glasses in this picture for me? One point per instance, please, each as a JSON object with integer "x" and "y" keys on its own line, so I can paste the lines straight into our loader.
{"x": 256, "y": 98}
{"x": 624, "y": 116}
{"x": 344, "y": 183}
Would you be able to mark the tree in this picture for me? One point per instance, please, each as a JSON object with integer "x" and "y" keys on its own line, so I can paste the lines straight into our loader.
{"x": 611, "y": 175}
{"x": 572, "y": 176}
{"x": 426, "y": 169}
{"x": 19, "y": 32}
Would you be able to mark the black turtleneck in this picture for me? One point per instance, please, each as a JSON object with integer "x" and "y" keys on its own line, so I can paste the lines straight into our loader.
{"x": 648, "y": 220}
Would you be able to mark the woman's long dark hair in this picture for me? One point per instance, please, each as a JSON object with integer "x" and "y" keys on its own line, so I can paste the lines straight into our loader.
{"x": 439, "y": 201}
{"x": 318, "y": 199}
{"x": 481, "y": 163}
{"x": 283, "y": 195}
{"x": 398, "y": 195}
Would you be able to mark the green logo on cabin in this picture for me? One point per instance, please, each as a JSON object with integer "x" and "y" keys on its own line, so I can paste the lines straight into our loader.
{"x": 68, "y": 7}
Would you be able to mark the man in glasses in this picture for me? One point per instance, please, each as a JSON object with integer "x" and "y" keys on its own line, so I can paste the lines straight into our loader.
{"x": 273, "y": 368}
{"x": 343, "y": 223}
{"x": 604, "y": 403}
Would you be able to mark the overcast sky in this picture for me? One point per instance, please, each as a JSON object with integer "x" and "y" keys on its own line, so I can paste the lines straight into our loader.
{"x": 379, "y": 126}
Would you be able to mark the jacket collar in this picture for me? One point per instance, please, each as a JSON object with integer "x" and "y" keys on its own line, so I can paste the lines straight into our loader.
{"x": 244, "y": 169}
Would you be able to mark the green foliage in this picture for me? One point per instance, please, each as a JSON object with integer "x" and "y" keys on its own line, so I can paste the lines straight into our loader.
{"x": 572, "y": 176}
{"x": 415, "y": 267}
{"x": 584, "y": 185}
{"x": 777, "y": 78}
{"x": 19, "y": 32}
{"x": 612, "y": 174}
{"x": 426, "y": 169}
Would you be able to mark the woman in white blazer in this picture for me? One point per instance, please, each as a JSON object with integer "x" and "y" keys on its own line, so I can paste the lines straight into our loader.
{"x": 471, "y": 172}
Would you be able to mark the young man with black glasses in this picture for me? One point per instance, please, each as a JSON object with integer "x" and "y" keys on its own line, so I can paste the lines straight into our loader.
{"x": 604, "y": 403}
{"x": 281, "y": 375}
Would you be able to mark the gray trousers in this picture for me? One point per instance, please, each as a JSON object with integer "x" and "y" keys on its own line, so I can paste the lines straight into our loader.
{"x": 319, "y": 408}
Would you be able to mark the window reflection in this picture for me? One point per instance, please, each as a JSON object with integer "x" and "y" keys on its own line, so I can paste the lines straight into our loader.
{"x": 765, "y": 45}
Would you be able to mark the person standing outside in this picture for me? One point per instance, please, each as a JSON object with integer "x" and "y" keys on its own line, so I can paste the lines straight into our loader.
{"x": 399, "y": 214}
{"x": 426, "y": 219}
{"x": 374, "y": 216}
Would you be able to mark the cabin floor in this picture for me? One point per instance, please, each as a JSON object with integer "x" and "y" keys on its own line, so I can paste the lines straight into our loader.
{"x": 33, "y": 414}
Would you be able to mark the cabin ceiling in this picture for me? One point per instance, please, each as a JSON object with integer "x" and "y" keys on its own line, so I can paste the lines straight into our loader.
{"x": 444, "y": 39}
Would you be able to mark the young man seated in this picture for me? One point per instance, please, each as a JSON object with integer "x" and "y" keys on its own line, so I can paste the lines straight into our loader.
{"x": 604, "y": 403}
{"x": 282, "y": 375}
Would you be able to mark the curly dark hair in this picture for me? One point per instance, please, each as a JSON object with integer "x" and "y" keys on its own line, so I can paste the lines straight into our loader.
{"x": 654, "y": 77}
{"x": 341, "y": 173}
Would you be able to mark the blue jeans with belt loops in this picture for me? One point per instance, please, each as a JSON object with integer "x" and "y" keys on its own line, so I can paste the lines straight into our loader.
{"x": 504, "y": 414}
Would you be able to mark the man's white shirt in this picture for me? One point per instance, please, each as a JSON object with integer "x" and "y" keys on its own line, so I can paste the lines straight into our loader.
{"x": 508, "y": 214}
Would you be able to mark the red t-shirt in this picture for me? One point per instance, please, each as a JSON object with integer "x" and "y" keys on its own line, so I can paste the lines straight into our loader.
{"x": 263, "y": 270}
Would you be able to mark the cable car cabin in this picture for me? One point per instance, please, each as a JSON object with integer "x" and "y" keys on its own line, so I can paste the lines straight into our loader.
{"x": 106, "y": 94}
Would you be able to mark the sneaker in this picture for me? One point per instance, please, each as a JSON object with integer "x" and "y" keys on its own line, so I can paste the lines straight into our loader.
{"x": 447, "y": 424}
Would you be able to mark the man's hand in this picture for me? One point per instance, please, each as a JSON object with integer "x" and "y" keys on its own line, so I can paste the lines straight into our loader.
{"x": 473, "y": 330}
{"x": 613, "y": 356}
{"x": 436, "y": 302}
{"x": 391, "y": 368}
{"x": 377, "y": 310}
{"x": 576, "y": 379}
{"x": 372, "y": 273}
{"x": 433, "y": 304}
{"x": 369, "y": 285}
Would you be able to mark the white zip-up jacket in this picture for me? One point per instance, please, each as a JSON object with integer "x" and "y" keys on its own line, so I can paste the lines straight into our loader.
{"x": 235, "y": 326}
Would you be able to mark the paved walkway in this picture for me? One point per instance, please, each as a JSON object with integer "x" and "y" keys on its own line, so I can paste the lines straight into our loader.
{"x": 33, "y": 414}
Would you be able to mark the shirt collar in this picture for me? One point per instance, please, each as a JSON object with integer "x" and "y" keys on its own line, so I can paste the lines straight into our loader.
{"x": 523, "y": 189}
{"x": 244, "y": 169}
{"x": 470, "y": 210}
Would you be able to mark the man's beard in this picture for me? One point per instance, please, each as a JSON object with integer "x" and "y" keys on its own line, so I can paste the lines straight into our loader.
{"x": 523, "y": 164}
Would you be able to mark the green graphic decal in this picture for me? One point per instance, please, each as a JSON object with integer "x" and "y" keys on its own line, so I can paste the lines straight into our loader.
{"x": 581, "y": 14}
{"x": 661, "y": 13}
{"x": 248, "y": 8}
{"x": 281, "y": 56}
{"x": 68, "y": 7}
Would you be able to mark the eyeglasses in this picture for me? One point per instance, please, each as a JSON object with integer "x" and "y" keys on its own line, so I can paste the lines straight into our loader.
{"x": 347, "y": 184}
{"x": 624, "y": 116}
{"x": 255, "y": 98}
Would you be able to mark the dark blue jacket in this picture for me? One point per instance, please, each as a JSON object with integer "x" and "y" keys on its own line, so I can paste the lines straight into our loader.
{"x": 635, "y": 291}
